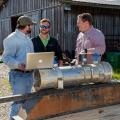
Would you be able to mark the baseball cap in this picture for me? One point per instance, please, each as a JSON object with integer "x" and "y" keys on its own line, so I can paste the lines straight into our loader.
{"x": 25, "y": 20}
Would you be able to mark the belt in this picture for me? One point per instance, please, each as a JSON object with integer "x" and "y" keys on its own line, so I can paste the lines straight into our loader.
{"x": 17, "y": 70}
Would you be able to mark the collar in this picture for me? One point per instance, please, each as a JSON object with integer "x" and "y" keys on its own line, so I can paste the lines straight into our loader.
{"x": 48, "y": 38}
{"x": 89, "y": 31}
{"x": 20, "y": 33}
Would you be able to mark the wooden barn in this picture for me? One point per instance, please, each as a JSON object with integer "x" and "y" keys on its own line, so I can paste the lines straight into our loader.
{"x": 63, "y": 13}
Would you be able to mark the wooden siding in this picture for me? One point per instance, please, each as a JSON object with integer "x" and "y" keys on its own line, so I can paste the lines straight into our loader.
{"x": 107, "y": 20}
{"x": 36, "y": 9}
{"x": 6, "y": 27}
{"x": 63, "y": 21}
{"x": 14, "y": 7}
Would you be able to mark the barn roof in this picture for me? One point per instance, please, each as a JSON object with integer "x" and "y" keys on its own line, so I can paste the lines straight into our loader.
{"x": 96, "y": 3}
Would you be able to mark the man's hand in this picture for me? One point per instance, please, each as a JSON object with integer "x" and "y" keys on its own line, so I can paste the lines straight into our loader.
{"x": 21, "y": 67}
{"x": 89, "y": 51}
{"x": 74, "y": 62}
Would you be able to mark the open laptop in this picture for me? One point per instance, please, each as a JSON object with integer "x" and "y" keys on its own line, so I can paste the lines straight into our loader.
{"x": 39, "y": 60}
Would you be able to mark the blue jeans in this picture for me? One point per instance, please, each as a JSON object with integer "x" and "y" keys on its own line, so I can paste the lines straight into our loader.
{"x": 55, "y": 61}
{"x": 21, "y": 83}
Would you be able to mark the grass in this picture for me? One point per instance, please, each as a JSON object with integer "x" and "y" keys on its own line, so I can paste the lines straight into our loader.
{"x": 116, "y": 74}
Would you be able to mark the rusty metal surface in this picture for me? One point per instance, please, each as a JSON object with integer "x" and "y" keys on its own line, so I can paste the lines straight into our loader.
{"x": 57, "y": 92}
{"x": 52, "y": 102}
{"x": 75, "y": 99}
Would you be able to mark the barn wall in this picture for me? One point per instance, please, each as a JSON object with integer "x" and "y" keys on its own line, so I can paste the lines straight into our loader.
{"x": 36, "y": 9}
{"x": 63, "y": 21}
{"x": 105, "y": 19}
{"x": 14, "y": 7}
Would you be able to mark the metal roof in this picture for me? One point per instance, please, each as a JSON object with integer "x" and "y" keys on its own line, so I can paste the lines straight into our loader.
{"x": 95, "y": 3}
{"x": 107, "y": 2}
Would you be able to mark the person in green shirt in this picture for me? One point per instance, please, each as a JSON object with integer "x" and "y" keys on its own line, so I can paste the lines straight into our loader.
{"x": 45, "y": 43}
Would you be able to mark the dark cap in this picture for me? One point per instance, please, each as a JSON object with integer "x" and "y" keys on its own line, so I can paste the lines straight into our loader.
{"x": 24, "y": 21}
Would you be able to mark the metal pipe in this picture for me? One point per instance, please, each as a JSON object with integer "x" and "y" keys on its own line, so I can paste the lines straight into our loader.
{"x": 72, "y": 75}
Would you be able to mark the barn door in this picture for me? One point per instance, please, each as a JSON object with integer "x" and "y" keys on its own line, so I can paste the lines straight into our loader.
{"x": 5, "y": 30}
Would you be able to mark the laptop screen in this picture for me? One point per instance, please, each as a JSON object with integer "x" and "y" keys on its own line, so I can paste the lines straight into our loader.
{"x": 39, "y": 60}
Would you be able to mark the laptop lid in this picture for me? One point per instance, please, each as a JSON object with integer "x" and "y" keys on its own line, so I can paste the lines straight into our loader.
{"x": 39, "y": 60}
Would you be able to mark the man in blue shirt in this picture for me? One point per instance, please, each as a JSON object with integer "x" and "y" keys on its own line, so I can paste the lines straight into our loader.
{"x": 16, "y": 47}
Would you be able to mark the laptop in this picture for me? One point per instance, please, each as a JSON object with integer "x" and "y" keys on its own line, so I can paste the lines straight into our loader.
{"x": 39, "y": 60}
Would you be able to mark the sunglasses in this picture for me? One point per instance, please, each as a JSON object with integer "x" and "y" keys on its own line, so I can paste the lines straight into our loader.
{"x": 44, "y": 26}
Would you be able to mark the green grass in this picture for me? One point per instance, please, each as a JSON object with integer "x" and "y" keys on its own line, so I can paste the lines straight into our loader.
{"x": 116, "y": 74}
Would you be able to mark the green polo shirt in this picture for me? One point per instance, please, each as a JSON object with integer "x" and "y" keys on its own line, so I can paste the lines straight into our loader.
{"x": 45, "y": 41}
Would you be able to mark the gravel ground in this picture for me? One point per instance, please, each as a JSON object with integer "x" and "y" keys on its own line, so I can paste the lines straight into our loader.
{"x": 5, "y": 90}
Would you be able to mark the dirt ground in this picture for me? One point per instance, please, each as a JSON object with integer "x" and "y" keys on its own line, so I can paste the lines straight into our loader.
{"x": 5, "y": 90}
